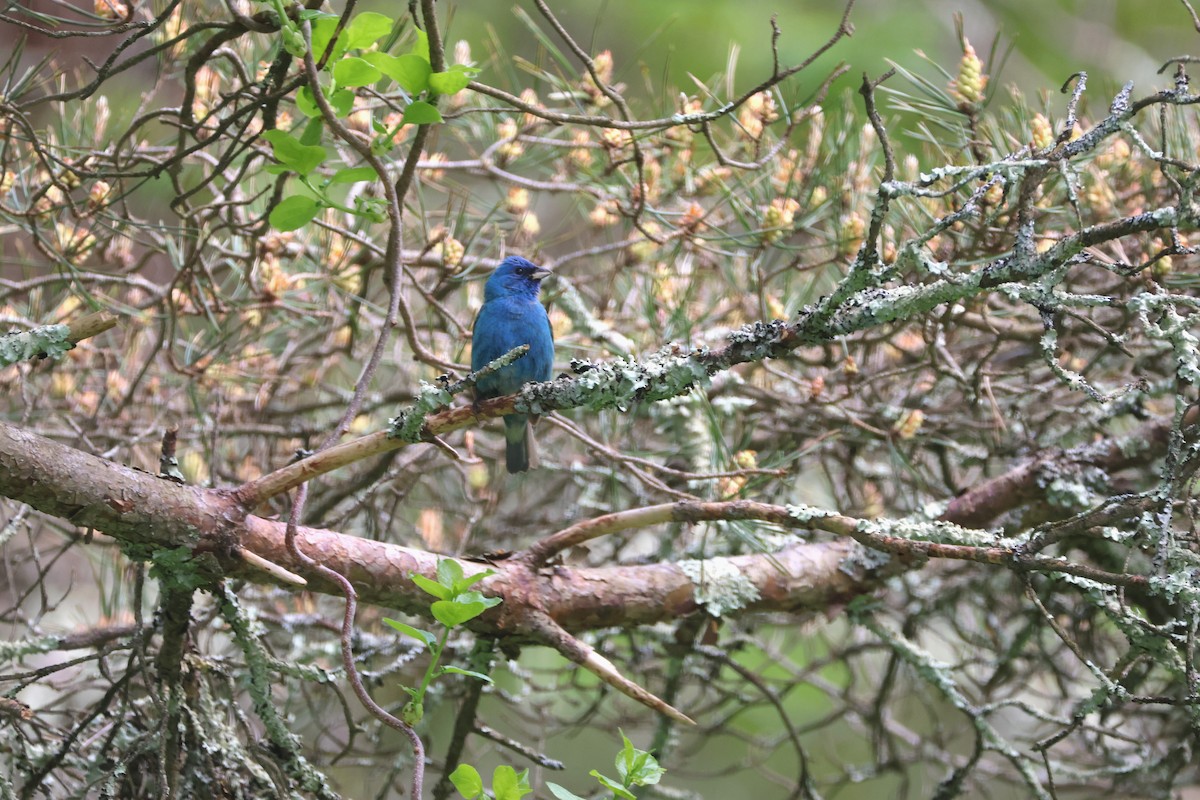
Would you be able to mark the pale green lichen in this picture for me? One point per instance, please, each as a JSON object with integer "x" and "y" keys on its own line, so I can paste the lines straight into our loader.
{"x": 47, "y": 341}
{"x": 1072, "y": 487}
{"x": 720, "y": 586}
{"x": 1068, "y": 494}
{"x": 805, "y": 514}
{"x": 619, "y": 383}
{"x": 934, "y": 508}
{"x": 259, "y": 680}
{"x": 10, "y": 650}
{"x": 862, "y": 562}
{"x": 915, "y": 528}
{"x": 1087, "y": 584}
{"x": 408, "y": 424}
{"x": 1178, "y": 586}
{"x": 940, "y": 531}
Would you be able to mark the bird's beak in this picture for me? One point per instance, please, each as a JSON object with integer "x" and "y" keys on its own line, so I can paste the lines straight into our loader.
{"x": 541, "y": 273}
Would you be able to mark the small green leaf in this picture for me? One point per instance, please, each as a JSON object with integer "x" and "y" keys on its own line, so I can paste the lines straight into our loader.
{"x": 353, "y": 175}
{"x": 462, "y": 584}
{"x": 453, "y": 80}
{"x": 312, "y": 131}
{"x": 453, "y": 613}
{"x": 468, "y": 673}
{"x": 277, "y": 169}
{"x": 351, "y": 71}
{"x": 624, "y": 756}
{"x": 449, "y": 573}
{"x": 288, "y": 150}
{"x": 561, "y": 793}
{"x": 613, "y": 786}
{"x": 637, "y": 767}
{"x": 342, "y": 101}
{"x": 408, "y": 630}
{"x": 467, "y": 780}
{"x": 507, "y": 784}
{"x": 421, "y": 48}
{"x": 322, "y": 32}
{"x": 411, "y": 72}
{"x": 476, "y": 597}
{"x": 373, "y": 209}
{"x": 294, "y": 212}
{"x": 306, "y": 103}
{"x": 421, "y": 113}
{"x": 293, "y": 40}
{"x": 412, "y": 713}
{"x": 365, "y": 29}
{"x": 430, "y": 587}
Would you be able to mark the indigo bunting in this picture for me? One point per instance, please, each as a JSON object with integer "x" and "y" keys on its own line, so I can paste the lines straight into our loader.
{"x": 510, "y": 317}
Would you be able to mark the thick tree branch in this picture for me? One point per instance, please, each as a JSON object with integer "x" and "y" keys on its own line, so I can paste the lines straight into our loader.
{"x": 138, "y": 508}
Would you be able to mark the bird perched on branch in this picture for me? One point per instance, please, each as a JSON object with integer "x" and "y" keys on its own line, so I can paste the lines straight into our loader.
{"x": 510, "y": 317}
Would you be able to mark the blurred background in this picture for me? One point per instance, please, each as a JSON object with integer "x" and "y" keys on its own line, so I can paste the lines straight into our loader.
{"x": 664, "y": 43}
{"x": 659, "y": 49}
{"x": 1114, "y": 40}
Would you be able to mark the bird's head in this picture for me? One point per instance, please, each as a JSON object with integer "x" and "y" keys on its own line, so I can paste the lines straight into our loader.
{"x": 515, "y": 276}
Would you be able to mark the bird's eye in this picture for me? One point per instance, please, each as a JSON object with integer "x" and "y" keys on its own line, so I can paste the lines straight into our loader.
{"x": 524, "y": 271}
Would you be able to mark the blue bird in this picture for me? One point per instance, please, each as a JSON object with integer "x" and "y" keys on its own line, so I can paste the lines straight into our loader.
{"x": 512, "y": 316}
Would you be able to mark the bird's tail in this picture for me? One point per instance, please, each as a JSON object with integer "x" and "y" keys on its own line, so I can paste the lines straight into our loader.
{"x": 520, "y": 451}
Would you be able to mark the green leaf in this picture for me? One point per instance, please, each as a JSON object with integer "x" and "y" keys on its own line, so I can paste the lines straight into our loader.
{"x": 624, "y": 756}
{"x": 467, "y": 780}
{"x": 411, "y": 72}
{"x": 421, "y": 48}
{"x": 277, "y": 169}
{"x": 288, "y": 150}
{"x": 561, "y": 793}
{"x": 468, "y": 673}
{"x": 421, "y": 113}
{"x": 312, "y": 131}
{"x": 353, "y": 175}
{"x": 342, "y": 101}
{"x": 476, "y": 597}
{"x": 306, "y": 103}
{"x": 462, "y": 584}
{"x": 293, "y": 40}
{"x": 449, "y": 573}
{"x": 294, "y": 212}
{"x": 365, "y": 29}
{"x": 453, "y": 80}
{"x": 373, "y": 209}
{"x": 507, "y": 784}
{"x": 430, "y": 587}
{"x": 322, "y": 33}
{"x": 408, "y": 630}
{"x": 453, "y": 613}
{"x": 351, "y": 71}
{"x": 637, "y": 767}
{"x": 613, "y": 786}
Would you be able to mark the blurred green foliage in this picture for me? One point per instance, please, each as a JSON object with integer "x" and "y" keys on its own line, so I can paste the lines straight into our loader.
{"x": 1114, "y": 40}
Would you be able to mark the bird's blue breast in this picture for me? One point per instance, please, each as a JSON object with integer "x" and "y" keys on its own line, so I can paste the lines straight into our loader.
{"x": 505, "y": 323}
